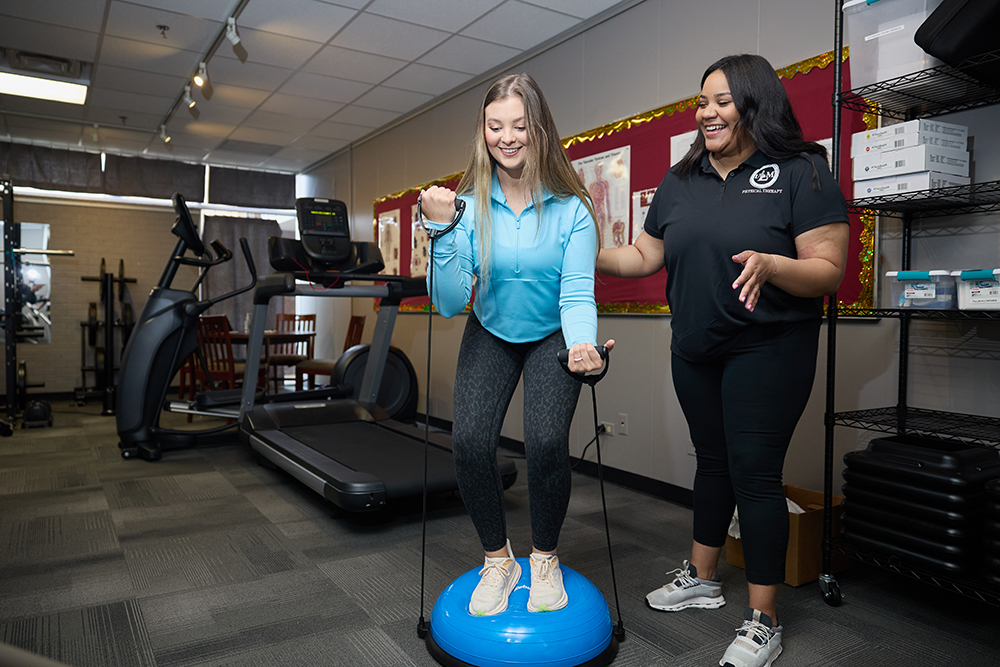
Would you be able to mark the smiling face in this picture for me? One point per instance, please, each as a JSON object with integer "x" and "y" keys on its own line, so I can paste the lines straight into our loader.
{"x": 717, "y": 118}
{"x": 506, "y": 134}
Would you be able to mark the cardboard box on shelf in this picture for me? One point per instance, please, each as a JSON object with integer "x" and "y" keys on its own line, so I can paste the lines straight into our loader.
{"x": 893, "y": 185}
{"x": 804, "y": 558}
{"x": 891, "y": 143}
{"x": 927, "y": 127}
{"x": 911, "y": 160}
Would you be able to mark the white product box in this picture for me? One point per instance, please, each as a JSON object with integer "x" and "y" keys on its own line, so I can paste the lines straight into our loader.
{"x": 911, "y": 160}
{"x": 978, "y": 289}
{"x": 934, "y": 290}
{"x": 943, "y": 133}
{"x": 905, "y": 141}
{"x": 880, "y": 37}
{"x": 891, "y": 185}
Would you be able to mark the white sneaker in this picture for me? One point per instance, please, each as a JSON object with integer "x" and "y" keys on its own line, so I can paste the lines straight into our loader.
{"x": 686, "y": 590}
{"x": 547, "y": 590}
{"x": 499, "y": 577}
{"x": 757, "y": 643}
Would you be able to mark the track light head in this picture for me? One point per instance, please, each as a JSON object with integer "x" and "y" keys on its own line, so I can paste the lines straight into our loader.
{"x": 163, "y": 134}
{"x": 187, "y": 96}
{"x": 202, "y": 76}
{"x": 231, "y": 34}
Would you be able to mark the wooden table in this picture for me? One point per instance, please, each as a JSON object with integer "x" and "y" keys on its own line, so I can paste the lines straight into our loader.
{"x": 273, "y": 337}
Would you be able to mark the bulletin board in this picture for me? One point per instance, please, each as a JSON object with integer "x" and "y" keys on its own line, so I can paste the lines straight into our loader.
{"x": 623, "y": 162}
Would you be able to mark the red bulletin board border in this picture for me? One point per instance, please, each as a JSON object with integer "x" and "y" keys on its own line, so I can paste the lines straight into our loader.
{"x": 810, "y": 86}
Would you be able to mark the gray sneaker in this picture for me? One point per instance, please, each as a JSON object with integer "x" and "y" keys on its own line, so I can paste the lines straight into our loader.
{"x": 687, "y": 590}
{"x": 547, "y": 590}
{"x": 757, "y": 643}
{"x": 499, "y": 577}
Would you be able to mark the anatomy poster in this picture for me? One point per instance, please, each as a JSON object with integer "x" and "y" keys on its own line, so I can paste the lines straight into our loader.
{"x": 641, "y": 199}
{"x": 606, "y": 176}
{"x": 388, "y": 241}
{"x": 420, "y": 246}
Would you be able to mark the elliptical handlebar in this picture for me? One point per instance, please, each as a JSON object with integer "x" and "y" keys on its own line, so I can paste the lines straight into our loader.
{"x": 195, "y": 309}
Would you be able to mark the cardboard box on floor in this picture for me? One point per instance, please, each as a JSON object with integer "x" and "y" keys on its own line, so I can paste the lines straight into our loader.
{"x": 804, "y": 559}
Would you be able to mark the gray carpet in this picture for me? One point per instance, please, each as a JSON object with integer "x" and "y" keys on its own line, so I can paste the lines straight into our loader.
{"x": 206, "y": 558}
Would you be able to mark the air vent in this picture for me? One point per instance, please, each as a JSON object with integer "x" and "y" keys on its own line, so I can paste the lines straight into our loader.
{"x": 251, "y": 147}
{"x": 50, "y": 67}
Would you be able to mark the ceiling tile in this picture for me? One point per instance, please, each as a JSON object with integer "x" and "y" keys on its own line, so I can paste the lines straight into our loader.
{"x": 33, "y": 107}
{"x": 426, "y": 79}
{"x": 247, "y": 75}
{"x": 136, "y": 81}
{"x": 307, "y": 84}
{"x": 583, "y": 9}
{"x": 450, "y": 15}
{"x": 355, "y": 115}
{"x": 216, "y": 10}
{"x": 234, "y": 96}
{"x": 314, "y": 143}
{"x": 199, "y": 128}
{"x": 300, "y": 107}
{"x": 214, "y": 113}
{"x": 305, "y": 19}
{"x": 355, "y": 4}
{"x": 388, "y": 37}
{"x": 140, "y": 23}
{"x": 468, "y": 55}
{"x": 133, "y": 119}
{"x": 303, "y": 155}
{"x": 534, "y": 25}
{"x": 262, "y": 136}
{"x": 355, "y": 65}
{"x": 270, "y": 49}
{"x": 148, "y": 56}
{"x": 268, "y": 120}
{"x": 48, "y": 40}
{"x": 334, "y": 130}
{"x": 79, "y": 14}
{"x": 128, "y": 102}
{"x": 173, "y": 151}
{"x": 393, "y": 99}
{"x": 232, "y": 158}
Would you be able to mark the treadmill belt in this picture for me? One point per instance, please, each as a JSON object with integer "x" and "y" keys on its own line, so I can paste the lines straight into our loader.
{"x": 394, "y": 458}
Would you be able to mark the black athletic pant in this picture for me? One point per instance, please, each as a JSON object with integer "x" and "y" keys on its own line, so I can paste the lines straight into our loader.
{"x": 741, "y": 411}
{"x": 488, "y": 372}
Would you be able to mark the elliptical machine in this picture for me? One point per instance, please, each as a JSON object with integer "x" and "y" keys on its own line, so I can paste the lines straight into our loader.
{"x": 165, "y": 336}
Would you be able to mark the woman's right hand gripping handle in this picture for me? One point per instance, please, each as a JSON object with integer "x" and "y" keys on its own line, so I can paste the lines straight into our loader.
{"x": 438, "y": 204}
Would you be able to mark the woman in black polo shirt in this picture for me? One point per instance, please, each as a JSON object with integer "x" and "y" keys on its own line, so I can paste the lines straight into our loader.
{"x": 752, "y": 229}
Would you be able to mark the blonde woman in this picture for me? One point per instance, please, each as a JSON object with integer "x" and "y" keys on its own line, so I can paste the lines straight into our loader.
{"x": 528, "y": 243}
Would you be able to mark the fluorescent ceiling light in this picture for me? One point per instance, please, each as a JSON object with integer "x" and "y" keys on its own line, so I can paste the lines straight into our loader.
{"x": 42, "y": 89}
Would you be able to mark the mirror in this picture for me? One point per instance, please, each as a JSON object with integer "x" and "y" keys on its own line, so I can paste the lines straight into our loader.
{"x": 35, "y": 284}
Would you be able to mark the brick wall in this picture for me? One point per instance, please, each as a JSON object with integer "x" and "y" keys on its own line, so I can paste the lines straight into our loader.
{"x": 138, "y": 235}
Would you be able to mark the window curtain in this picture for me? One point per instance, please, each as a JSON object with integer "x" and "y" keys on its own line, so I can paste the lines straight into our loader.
{"x": 144, "y": 177}
{"x": 51, "y": 169}
{"x": 241, "y": 187}
{"x": 232, "y": 275}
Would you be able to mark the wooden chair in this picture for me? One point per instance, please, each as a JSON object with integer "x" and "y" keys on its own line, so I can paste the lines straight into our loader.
{"x": 313, "y": 367}
{"x": 217, "y": 350}
{"x": 290, "y": 354}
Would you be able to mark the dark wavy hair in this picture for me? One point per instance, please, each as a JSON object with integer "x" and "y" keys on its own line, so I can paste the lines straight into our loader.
{"x": 765, "y": 114}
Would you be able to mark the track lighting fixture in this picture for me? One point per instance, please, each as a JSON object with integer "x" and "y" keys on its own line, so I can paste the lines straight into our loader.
{"x": 187, "y": 96}
{"x": 202, "y": 76}
{"x": 231, "y": 34}
{"x": 163, "y": 134}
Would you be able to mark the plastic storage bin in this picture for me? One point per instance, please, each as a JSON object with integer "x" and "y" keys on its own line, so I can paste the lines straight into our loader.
{"x": 933, "y": 290}
{"x": 978, "y": 289}
{"x": 880, "y": 36}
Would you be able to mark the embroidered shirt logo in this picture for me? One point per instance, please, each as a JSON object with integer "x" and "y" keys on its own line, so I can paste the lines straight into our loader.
{"x": 765, "y": 177}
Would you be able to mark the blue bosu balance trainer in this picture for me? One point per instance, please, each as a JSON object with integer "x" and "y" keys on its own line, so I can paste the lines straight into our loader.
{"x": 580, "y": 634}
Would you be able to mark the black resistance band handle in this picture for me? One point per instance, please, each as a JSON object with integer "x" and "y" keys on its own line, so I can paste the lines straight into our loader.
{"x": 563, "y": 356}
{"x": 435, "y": 233}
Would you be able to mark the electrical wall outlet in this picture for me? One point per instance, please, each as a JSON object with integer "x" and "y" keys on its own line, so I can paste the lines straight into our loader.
{"x": 607, "y": 428}
{"x": 622, "y": 423}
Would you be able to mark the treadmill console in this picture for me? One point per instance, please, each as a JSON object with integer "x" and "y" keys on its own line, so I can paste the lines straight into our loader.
{"x": 324, "y": 229}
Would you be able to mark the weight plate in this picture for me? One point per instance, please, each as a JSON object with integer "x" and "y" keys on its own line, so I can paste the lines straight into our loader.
{"x": 92, "y": 324}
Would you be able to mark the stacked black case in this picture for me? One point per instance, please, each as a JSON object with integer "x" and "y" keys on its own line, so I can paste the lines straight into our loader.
{"x": 992, "y": 533}
{"x": 921, "y": 500}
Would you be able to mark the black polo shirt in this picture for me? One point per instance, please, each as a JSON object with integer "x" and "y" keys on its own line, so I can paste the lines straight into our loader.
{"x": 703, "y": 221}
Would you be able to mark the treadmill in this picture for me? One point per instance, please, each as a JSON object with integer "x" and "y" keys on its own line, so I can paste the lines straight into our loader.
{"x": 348, "y": 450}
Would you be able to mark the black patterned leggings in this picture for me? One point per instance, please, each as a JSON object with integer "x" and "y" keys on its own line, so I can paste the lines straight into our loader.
{"x": 488, "y": 372}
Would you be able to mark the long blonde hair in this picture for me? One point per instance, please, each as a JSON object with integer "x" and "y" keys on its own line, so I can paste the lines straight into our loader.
{"x": 546, "y": 165}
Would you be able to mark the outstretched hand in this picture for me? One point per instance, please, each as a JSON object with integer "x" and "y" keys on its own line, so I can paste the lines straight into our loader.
{"x": 583, "y": 357}
{"x": 437, "y": 204}
{"x": 758, "y": 268}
